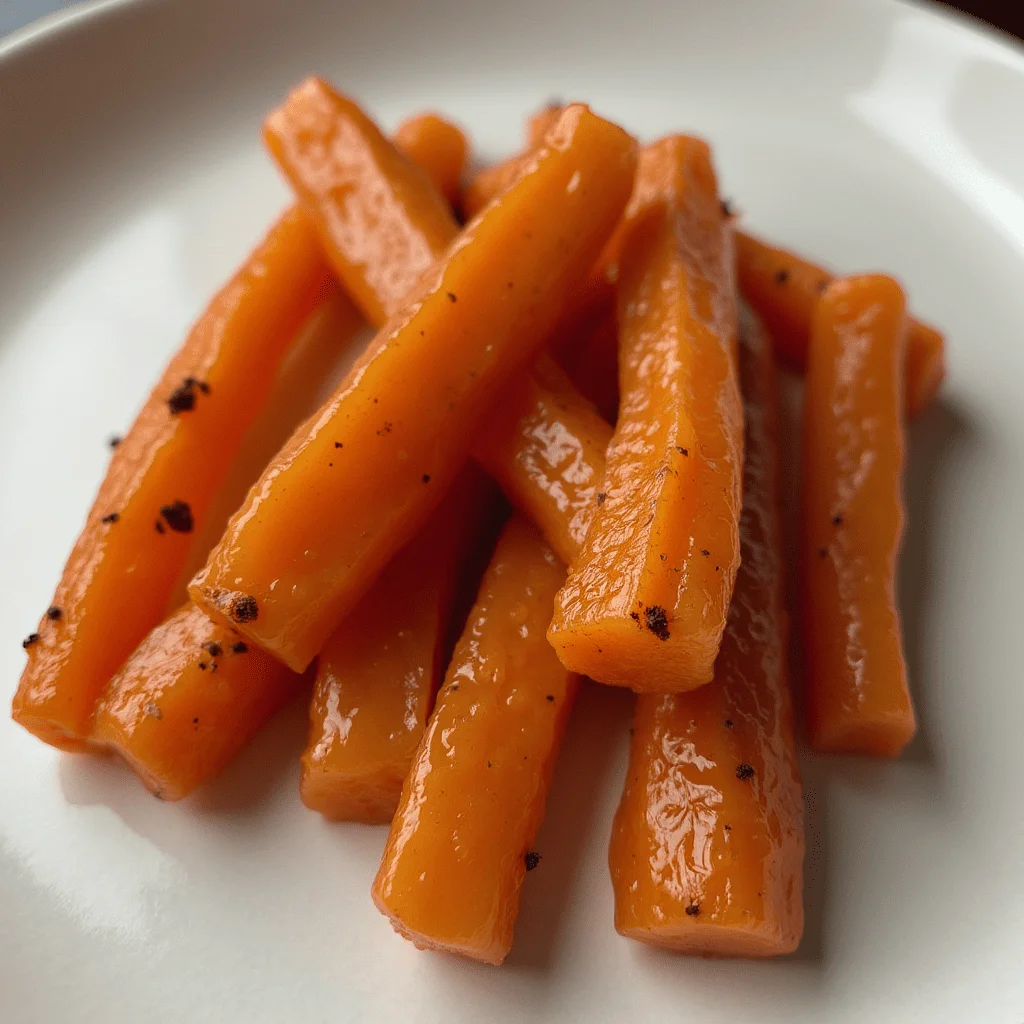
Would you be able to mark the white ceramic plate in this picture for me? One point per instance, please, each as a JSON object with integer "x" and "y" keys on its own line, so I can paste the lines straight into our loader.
{"x": 865, "y": 132}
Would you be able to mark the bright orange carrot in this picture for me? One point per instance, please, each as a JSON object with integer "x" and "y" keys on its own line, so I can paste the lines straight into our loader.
{"x": 378, "y": 673}
{"x": 541, "y": 123}
{"x": 646, "y": 601}
{"x": 784, "y": 288}
{"x": 439, "y": 147}
{"x": 857, "y": 700}
{"x": 187, "y": 700}
{"x": 471, "y": 807}
{"x": 708, "y": 843}
{"x": 360, "y": 194}
{"x": 401, "y": 423}
{"x": 118, "y": 579}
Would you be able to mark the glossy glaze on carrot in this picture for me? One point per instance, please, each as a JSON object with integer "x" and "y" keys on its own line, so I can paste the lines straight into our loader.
{"x": 398, "y": 428}
{"x": 784, "y": 288}
{"x": 856, "y": 696}
{"x": 378, "y": 673}
{"x": 707, "y": 846}
{"x": 118, "y": 580}
{"x": 439, "y": 147}
{"x": 646, "y": 601}
{"x": 456, "y": 856}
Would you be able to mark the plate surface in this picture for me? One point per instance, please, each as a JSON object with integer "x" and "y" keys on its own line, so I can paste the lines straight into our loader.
{"x": 867, "y": 133}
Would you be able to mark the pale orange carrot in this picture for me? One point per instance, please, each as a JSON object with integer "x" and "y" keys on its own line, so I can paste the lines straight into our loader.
{"x": 439, "y": 147}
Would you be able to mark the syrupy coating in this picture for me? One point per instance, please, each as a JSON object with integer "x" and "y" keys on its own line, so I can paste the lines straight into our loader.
{"x": 646, "y": 601}
{"x": 856, "y": 696}
{"x": 456, "y": 856}
{"x": 708, "y": 843}
{"x": 439, "y": 147}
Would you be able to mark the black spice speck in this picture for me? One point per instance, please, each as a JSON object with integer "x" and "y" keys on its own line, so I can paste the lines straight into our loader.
{"x": 705, "y": 552}
{"x": 550, "y": 697}
{"x": 601, "y": 497}
{"x": 244, "y": 608}
{"x": 683, "y": 451}
{"x": 663, "y": 556}
{"x": 202, "y": 666}
{"x": 837, "y": 520}
{"x": 338, "y": 444}
{"x": 782, "y": 277}
{"x": 452, "y": 297}
{"x": 728, "y": 723}
{"x": 657, "y": 621}
{"x": 635, "y": 617}
{"x": 183, "y": 397}
{"x": 53, "y": 613}
{"x": 114, "y": 440}
{"x": 744, "y": 771}
{"x": 239, "y": 648}
{"x": 213, "y": 648}
{"x": 426, "y": 478}
{"x": 195, "y": 721}
{"x": 178, "y": 516}
{"x": 32, "y": 638}
{"x": 160, "y": 527}
{"x": 111, "y": 517}
{"x": 693, "y": 910}
{"x": 728, "y": 828}
{"x": 532, "y": 860}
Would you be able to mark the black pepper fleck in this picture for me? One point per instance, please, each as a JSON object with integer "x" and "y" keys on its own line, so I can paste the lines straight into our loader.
{"x": 683, "y": 451}
{"x": 452, "y": 297}
{"x": 657, "y": 621}
{"x": 532, "y": 860}
{"x": 426, "y": 478}
{"x": 782, "y": 277}
{"x": 705, "y": 552}
{"x": 53, "y": 613}
{"x": 728, "y": 723}
{"x": 728, "y": 828}
{"x": 202, "y": 666}
{"x": 244, "y": 609}
{"x": 635, "y": 617}
{"x": 837, "y": 520}
{"x": 744, "y": 771}
{"x": 338, "y": 444}
{"x": 114, "y": 440}
{"x": 693, "y": 910}
{"x": 111, "y": 517}
{"x": 239, "y": 648}
{"x": 32, "y": 638}
{"x": 601, "y": 497}
{"x": 550, "y": 697}
{"x": 160, "y": 527}
{"x": 178, "y": 516}
{"x": 183, "y": 397}
{"x": 213, "y": 648}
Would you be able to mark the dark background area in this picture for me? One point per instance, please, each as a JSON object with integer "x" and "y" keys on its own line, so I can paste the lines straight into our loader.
{"x": 1006, "y": 14}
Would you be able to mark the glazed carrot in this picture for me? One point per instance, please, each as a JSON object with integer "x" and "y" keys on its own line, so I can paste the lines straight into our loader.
{"x": 784, "y": 288}
{"x": 707, "y": 846}
{"x": 645, "y": 603}
{"x": 377, "y": 675}
{"x": 472, "y": 804}
{"x": 401, "y": 423}
{"x": 544, "y": 446}
{"x": 123, "y": 568}
{"x": 541, "y": 123}
{"x": 857, "y": 700}
{"x": 439, "y": 147}
{"x": 360, "y": 192}
{"x": 187, "y": 700}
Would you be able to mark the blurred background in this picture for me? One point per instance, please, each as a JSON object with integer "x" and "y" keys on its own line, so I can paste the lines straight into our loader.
{"x": 1006, "y": 14}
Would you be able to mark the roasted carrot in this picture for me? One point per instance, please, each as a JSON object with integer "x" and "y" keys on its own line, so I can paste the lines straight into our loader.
{"x": 857, "y": 700}
{"x": 188, "y": 699}
{"x": 784, "y": 288}
{"x": 439, "y": 147}
{"x": 541, "y": 123}
{"x": 120, "y": 575}
{"x": 708, "y": 843}
{"x": 401, "y": 423}
{"x": 377, "y": 675}
{"x": 646, "y": 601}
{"x": 459, "y": 845}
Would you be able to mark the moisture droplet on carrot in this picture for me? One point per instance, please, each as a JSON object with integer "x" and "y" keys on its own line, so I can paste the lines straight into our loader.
{"x": 455, "y": 858}
{"x": 857, "y": 700}
{"x": 289, "y": 568}
{"x": 707, "y": 846}
{"x": 118, "y": 580}
{"x": 646, "y": 601}
{"x": 784, "y": 288}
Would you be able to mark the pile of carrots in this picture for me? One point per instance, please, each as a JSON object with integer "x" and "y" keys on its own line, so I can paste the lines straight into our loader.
{"x": 596, "y": 348}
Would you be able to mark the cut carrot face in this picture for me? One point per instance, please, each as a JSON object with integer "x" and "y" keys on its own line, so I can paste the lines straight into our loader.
{"x": 439, "y": 147}
{"x": 162, "y": 477}
{"x": 378, "y": 673}
{"x": 360, "y": 192}
{"x": 646, "y": 601}
{"x": 707, "y": 847}
{"x": 545, "y": 447}
{"x": 187, "y": 700}
{"x": 857, "y": 700}
{"x": 353, "y": 487}
{"x": 785, "y": 288}
{"x": 460, "y": 843}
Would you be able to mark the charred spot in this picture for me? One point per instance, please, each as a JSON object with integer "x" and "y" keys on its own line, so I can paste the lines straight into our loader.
{"x": 693, "y": 910}
{"x": 656, "y": 620}
{"x": 531, "y": 859}
{"x": 53, "y": 613}
{"x": 744, "y": 771}
{"x": 244, "y": 608}
{"x": 111, "y": 517}
{"x": 239, "y": 648}
{"x": 178, "y": 516}
{"x": 213, "y": 648}
{"x": 32, "y": 638}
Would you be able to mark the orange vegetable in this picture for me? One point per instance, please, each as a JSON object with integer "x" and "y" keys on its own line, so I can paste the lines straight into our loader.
{"x": 857, "y": 700}
{"x": 399, "y": 426}
{"x": 646, "y": 601}
{"x": 187, "y": 700}
{"x": 708, "y": 842}
{"x": 439, "y": 147}
{"x": 471, "y": 807}
{"x": 361, "y": 193}
{"x": 541, "y": 123}
{"x": 378, "y": 673}
{"x": 545, "y": 445}
{"x": 162, "y": 477}
{"x": 784, "y": 288}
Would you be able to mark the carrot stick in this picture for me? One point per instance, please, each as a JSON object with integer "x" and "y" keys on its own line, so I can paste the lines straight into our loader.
{"x": 646, "y": 601}
{"x": 377, "y": 675}
{"x": 439, "y": 147}
{"x": 784, "y": 288}
{"x": 708, "y": 843}
{"x": 857, "y": 699}
{"x": 541, "y": 123}
{"x": 400, "y": 424}
{"x": 459, "y": 846}
{"x": 120, "y": 575}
